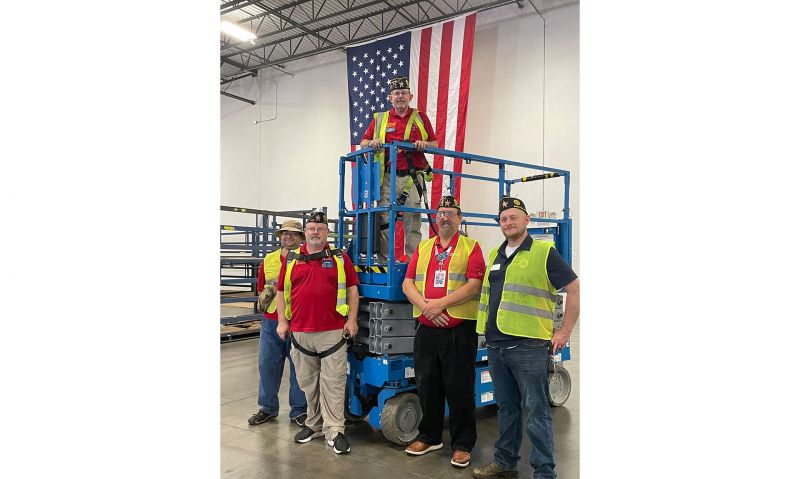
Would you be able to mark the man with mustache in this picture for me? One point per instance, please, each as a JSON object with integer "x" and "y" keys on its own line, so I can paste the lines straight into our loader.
{"x": 272, "y": 350}
{"x": 318, "y": 296}
{"x": 405, "y": 124}
{"x": 517, "y": 312}
{"x": 442, "y": 282}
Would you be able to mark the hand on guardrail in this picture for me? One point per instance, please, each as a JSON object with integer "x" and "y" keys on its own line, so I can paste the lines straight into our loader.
{"x": 376, "y": 143}
{"x": 421, "y": 145}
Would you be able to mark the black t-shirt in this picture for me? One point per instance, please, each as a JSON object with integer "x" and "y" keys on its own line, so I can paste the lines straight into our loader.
{"x": 559, "y": 273}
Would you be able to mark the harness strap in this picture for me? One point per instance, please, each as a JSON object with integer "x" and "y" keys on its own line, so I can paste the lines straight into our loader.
{"x": 321, "y": 355}
{"x": 326, "y": 253}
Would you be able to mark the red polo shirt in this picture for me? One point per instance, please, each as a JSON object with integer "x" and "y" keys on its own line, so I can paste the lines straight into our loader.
{"x": 261, "y": 282}
{"x": 476, "y": 267}
{"x": 314, "y": 289}
{"x": 395, "y": 129}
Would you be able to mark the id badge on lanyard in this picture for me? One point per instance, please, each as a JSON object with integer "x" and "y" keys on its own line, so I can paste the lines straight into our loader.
{"x": 440, "y": 275}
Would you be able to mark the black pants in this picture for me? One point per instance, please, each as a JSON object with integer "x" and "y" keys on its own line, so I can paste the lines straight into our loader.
{"x": 444, "y": 367}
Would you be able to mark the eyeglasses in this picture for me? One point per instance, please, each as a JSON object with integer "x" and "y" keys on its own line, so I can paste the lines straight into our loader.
{"x": 315, "y": 229}
{"x": 445, "y": 214}
{"x": 291, "y": 233}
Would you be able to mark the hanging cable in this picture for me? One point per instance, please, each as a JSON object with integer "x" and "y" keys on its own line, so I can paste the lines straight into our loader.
{"x": 259, "y": 142}
{"x": 258, "y": 122}
{"x": 544, "y": 80}
{"x": 276, "y": 103}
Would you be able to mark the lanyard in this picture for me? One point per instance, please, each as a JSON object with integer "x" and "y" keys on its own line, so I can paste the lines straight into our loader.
{"x": 442, "y": 257}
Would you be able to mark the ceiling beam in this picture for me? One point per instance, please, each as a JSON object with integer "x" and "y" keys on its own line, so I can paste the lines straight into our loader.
{"x": 318, "y": 19}
{"x": 252, "y": 102}
{"x": 294, "y": 24}
{"x": 338, "y": 24}
{"x": 430, "y": 21}
{"x": 234, "y": 5}
{"x": 278, "y": 9}
{"x": 238, "y": 77}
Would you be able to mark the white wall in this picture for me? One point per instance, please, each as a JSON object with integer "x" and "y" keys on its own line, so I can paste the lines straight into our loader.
{"x": 513, "y": 76}
{"x": 292, "y": 162}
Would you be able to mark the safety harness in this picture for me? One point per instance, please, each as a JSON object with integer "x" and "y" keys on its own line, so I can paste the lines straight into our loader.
{"x": 322, "y": 354}
{"x": 341, "y": 291}
{"x": 326, "y": 253}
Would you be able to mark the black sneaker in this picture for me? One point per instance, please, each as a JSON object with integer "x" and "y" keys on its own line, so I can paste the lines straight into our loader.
{"x": 299, "y": 420}
{"x": 261, "y": 417}
{"x": 340, "y": 444}
{"x": 307, "y": 434}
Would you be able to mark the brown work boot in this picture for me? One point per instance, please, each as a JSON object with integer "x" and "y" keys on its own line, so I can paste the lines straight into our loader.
{"x": 492, "y": 470}
{"x": 418, "y": 448}
{"x": 460, "y": 458}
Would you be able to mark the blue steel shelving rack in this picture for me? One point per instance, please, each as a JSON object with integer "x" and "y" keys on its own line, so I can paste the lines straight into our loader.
{"x": 242, "y": 249}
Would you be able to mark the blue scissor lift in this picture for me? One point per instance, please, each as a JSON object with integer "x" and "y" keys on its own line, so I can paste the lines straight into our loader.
{"x": 380, "y": 384}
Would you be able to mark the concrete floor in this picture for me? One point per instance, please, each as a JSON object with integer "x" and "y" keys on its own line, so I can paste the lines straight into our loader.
{"x": 267, "y": 450}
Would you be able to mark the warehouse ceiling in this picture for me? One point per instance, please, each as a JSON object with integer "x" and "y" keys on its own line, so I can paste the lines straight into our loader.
{"x": 290, "y": 30}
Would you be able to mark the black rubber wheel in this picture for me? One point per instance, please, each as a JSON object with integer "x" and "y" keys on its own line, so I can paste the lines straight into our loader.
{"x": 400, "y": 418}
{"x": 559, "y": 385}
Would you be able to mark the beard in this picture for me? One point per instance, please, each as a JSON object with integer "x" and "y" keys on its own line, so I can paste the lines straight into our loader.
{"x": 316, "y": 242}
{"x": 515, "y": 234}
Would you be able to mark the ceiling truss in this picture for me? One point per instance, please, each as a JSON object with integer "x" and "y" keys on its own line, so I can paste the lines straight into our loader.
{"x": 303, "y": 28}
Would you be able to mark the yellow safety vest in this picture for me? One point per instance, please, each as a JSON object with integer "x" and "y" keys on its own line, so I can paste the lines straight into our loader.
{"x": 379, "y": 132}
{"x": 528, "y": 301}
{"x": 272, "y": 268}
{"x": 341, "y": 280}
{"x": 456, "y": 274}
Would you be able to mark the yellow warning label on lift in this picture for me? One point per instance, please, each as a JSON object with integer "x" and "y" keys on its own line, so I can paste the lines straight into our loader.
{"x": 374, "y": 269}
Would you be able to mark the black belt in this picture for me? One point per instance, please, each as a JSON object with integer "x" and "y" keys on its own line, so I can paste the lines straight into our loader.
{"x": 321, "y": 355}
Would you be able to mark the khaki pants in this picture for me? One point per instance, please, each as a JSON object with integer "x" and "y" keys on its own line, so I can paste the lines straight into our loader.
{"x": 411, "y": 221}
{"x": 322, "y": 380}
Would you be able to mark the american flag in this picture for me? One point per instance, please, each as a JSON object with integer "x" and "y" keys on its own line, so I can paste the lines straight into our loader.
{"x": 437, "y": 61}
{"x": 370, "y": 67}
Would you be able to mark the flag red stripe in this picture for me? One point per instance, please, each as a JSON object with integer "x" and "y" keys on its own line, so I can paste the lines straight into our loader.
{"x": 424, "y": 64}
{"x": 353, "y": 178}
{"x": 463, "y": 97}
{"x": 441, "y": 105}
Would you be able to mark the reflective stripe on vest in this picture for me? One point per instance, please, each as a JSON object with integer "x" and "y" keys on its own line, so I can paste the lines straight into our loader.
{"x": 272, "y": 268}
{"x": 379, "y": 133}
{"x": 455, "y": 278}
{"x": 341, "y": 286}
{"x": 528, "y": 300}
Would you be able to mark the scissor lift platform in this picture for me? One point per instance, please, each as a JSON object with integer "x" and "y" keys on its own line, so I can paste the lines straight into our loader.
{"x": 381, "y": 385}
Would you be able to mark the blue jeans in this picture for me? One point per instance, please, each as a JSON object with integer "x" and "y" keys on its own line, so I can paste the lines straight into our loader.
{"x": 272, "y": 355}
{"x": 520, "y": 374}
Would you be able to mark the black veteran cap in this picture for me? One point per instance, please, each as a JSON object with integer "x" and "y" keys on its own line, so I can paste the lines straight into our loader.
{"x": 399, "y": 83}
{"x": 508, "y": 202}
{"x": 318, "y": 217}
{"x": 449, "y": 202}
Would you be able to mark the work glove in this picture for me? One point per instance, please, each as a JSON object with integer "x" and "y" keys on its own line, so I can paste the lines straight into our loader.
{"x": 427, "y": 173}
{"x": 266, "y": 296}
